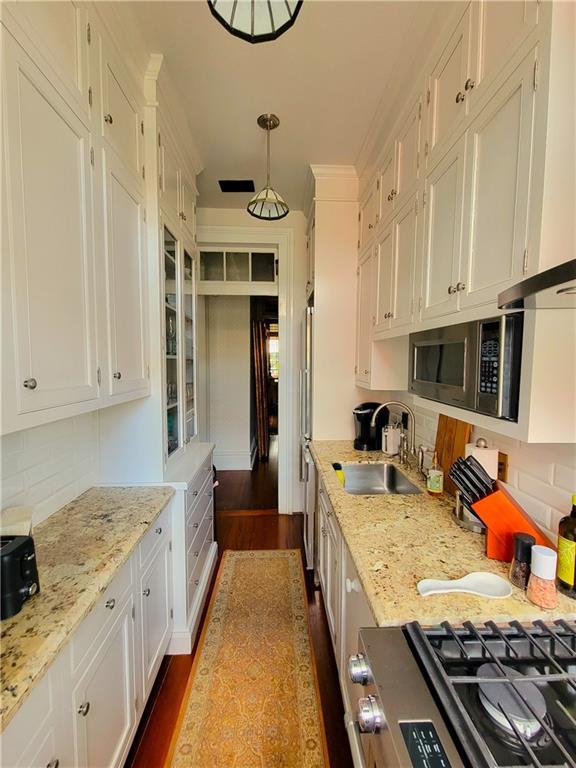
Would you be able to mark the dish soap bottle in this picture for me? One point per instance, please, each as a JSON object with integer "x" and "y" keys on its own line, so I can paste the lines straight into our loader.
{"x": 566, "y": 573}
{"x": 435, "y": 479}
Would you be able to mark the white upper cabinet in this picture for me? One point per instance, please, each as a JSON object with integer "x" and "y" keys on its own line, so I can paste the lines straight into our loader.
{"x": 169, "y": 193}
{"x": 404, "y": 267}
{"x": 365, "y": 317}
{"x": 496, "y": 215}
{"x": 368, "y": 211}
{"x": 126, "y": 281}
{"x": 444, "y": 190}
{"x": 387, "y": 185}
{"x": 187, "y": 206}
{"x": 121, "y": 123}
{"x": 499, "y": 28}
{"x": 383, "y": 276}
{"x": 408, "y": 156}
{"x": 50, "y": 258}
{"x": 448, "y": 86}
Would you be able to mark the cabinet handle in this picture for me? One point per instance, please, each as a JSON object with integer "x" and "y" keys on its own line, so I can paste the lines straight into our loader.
{"x": 321, "y": 490}
{"x": 366, "y": 370}
{"x": 195, "y": 525}
{"x": 451, "y": 289}
{"x": 110, "y": 603}
{"x": 460, "y": 286}
{"x": 183, "y": 216}
{"x": 54, "y": 763}
{"x": 459, "y": 97}
{"x": 117, "y": 375}
{"x": 30, "y": 383}
{"x": 196, "y": 554}
{"x": 84, "y": 708}
{"x": 146, "y": 592}
{"x": 196, "y": 582}
{"x": 392, "y": 195}
{"x": 370, "y": 226}
{"x": 469, "y": 84}
{"x": 158, "y": 530}
{"x": 108, "y": 119}
{"x": 324, "y": 532}
{"x": 194, "y": 493}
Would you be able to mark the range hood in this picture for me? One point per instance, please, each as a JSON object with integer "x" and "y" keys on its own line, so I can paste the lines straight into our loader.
{"x": 553, "y": 289}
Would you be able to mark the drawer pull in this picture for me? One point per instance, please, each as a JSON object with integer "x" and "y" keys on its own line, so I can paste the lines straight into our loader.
{"x": 108, "y": 119}
{"x": 30, "y": 383}
{"x": 158, "y": 530}
{"x": 110, "y": 603}
{"x": 84, "y": 708}
{"x": 195, "y": 525}
{"x": 196, "y": 554}
{"x": 194, "y": 493}
{"x": 117, "y": 375}
{"x": 146, "y": 592}
{"x": 459, "y": 97}
{"x": 196, "y": 582}
{"x": 54, "y": 763}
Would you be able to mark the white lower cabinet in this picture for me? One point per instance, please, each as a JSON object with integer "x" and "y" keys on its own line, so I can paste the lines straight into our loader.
{"x": 84, "y": 712}
{"x": 329, "y": 569}
{"x": 104, "y": 699}
{"x": 155, "y": 611}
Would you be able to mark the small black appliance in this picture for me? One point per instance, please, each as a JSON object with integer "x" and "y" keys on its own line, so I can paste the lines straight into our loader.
{"x": 19, "y": 573}
{"x": 369, "y": 438}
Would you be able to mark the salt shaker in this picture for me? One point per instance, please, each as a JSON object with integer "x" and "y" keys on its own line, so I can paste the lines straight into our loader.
{"x": 520, "y": 565}
{"x": 542, "y": 583}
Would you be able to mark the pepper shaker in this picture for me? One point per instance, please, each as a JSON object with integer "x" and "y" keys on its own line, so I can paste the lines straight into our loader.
{"x": 520, "y": 565}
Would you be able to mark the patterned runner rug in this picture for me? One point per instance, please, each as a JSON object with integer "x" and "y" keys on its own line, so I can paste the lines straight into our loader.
{"x": 252, "y": 699}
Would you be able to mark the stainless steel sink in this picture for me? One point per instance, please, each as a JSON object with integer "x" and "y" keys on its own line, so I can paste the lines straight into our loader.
{"x": 371, "y": 479}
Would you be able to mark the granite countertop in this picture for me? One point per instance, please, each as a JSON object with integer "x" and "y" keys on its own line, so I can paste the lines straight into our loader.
{"x": 395, "y": 541}
{"x": 79, "y": 550}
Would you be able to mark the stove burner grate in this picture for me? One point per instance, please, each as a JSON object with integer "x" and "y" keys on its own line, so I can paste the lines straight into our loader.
{"x": 506, "y": 705}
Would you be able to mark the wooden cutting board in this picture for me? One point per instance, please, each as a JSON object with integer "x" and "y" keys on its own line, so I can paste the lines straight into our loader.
{"x": 451, "y": 438}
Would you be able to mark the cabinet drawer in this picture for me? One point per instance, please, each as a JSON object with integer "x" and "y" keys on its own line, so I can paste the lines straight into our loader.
{"x": 197, "y": 485}
{"x": 193, "y": 555}
{"x": 159, "y": 529}
{"x": 195, "y": 576}
{"x": 100, "y": 617}
{"x": 34, "y": 718}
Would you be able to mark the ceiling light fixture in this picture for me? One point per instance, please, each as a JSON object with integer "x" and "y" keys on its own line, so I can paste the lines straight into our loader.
{"x": 268, "y": 204}
{"x": 256, "y": 21}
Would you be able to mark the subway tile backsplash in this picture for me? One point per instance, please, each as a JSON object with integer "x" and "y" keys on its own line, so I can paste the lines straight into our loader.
{"x": 48, "y": 466}
{"x": 541, "y": 477}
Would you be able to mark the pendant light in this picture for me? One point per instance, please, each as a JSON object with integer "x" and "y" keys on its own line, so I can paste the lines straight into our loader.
{"x": 268, "y": 204}
{"x": 256, "y": 21}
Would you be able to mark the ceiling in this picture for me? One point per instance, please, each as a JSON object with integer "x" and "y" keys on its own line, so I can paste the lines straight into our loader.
{"x": 326, "y": 78}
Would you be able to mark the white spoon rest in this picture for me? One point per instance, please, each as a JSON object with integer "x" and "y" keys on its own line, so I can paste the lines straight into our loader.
{"x": 479, "y": 583}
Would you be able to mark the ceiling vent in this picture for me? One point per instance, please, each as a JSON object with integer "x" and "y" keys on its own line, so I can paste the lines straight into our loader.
{"x": 236, "y": 185}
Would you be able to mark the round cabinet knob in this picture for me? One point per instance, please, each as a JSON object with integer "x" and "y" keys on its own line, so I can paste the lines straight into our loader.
{"x": 108, "y": 119}
{"x": 469, "y": 84}
{"x": 30, "y": 383}
{"x": 110, "y": 603}
{"x": 54, "y": 763}
{"x": 146, "y": 592}
{"x": 194, "y": 493}
{"x": 370, "y": 226}
{"x": 460, "y": 286}
{"x": 358, "y": 669}
{"x": 196, "y": 554}
{"x": 158, "y": 530}
{"x": 451, "y": 289}
{"x": 84, "y": 708}
{"x": 460, "y": 97}
{"x": 196, "y": 582}
{"x": 117, "y": 375}
{"x": 370, "y": 716}
{"x": 195, "y": 525}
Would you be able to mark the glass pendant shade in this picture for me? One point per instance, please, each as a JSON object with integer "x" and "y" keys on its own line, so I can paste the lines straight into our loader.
{"x": 256, "y": 21}
{"x": 268, "y": 204}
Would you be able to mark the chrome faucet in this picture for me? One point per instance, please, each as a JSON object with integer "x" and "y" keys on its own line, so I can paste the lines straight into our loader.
{"x": 410, "y": 412}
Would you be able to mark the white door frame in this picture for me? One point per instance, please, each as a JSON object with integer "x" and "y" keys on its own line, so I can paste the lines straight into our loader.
{"x": 282, "y": 241}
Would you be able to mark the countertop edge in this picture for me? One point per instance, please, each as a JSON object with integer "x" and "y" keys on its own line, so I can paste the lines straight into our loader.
{"x": 67, "y": 633}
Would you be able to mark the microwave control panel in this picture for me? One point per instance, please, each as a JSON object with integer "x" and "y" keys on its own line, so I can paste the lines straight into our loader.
{"x": 489, "y": 362}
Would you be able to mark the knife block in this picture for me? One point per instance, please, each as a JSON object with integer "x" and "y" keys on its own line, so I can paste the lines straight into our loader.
{"x": 503, "y": 517}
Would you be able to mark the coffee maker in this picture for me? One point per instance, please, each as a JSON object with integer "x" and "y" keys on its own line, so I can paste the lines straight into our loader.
{"x": 369, "y": 438}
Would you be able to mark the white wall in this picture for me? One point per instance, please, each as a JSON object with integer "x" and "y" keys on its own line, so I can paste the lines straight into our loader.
{"x": 541, "y": 477}
{"x": 228, "y": 353}
{"x": 46, "y": 467}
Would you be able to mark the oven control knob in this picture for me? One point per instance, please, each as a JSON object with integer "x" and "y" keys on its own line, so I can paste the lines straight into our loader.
{"x": 370, "y": 716}
{"x": 358, "y": 669}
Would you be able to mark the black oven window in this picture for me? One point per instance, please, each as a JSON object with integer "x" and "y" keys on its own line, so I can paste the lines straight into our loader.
{"x": 441, "y": 363}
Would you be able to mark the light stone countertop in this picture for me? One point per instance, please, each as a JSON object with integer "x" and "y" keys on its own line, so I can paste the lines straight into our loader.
{"x": 79, "y": 550}
{"x": 395, "y": 541}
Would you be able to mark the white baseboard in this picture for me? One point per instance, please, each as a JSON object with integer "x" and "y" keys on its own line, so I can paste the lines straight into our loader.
{"x": 233, "y": 460}
{"x": 182, "y": 641}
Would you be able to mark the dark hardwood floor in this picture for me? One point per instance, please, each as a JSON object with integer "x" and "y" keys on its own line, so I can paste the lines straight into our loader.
{"x": 245, "y": 489}
{"x": 245, "y": 529}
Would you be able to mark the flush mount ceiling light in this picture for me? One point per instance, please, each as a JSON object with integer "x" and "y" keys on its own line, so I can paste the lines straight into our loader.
{"x": 268, "y": 204}
{"x": 256, "y": 21}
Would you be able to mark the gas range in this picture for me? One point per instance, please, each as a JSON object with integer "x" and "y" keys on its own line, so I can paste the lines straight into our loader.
{"x": 485, "y": 696}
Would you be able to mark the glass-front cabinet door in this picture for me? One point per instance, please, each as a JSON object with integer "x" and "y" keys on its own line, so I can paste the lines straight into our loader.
{"x": 172, "y": 397}
{"x": 189, "y": 346}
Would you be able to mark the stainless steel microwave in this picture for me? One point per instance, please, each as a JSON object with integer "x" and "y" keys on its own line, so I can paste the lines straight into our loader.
{"x": 472, "y": 365}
